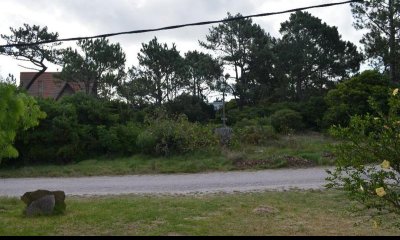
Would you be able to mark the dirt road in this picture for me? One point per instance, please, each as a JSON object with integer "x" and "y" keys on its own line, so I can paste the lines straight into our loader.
{"x": 313, "y": 178}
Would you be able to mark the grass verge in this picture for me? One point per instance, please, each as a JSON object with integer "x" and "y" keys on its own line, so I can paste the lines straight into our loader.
{"x": 322, "y": 213}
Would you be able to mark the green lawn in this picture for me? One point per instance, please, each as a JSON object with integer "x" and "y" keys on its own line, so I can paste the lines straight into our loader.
{"x": 270, "y": 213}
{"x": 289, "y": 151}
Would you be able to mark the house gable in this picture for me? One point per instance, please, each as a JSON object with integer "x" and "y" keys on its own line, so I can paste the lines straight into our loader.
{"x": 47, "y": 85}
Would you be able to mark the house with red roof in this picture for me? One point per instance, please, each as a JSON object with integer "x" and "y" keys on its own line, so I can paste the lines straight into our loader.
{"x": 48, "y": 85}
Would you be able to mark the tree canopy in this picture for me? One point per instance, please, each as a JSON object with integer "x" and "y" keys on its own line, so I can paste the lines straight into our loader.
{"x": 160, "y": 72}
{"x": 312, "y": 56}
{"x": 235, "y": 43}
{"x": 203, "y": 71}
{"x": 382, "y": 42}
{"x": 35, "y": 54}
{"x": 100, "y": 66}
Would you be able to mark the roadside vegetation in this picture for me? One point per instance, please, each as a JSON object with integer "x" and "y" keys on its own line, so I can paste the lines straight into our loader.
{"x": 297, "y": 151}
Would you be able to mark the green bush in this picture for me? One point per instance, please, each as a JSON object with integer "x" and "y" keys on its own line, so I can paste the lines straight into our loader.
{"x": 77, "y": 127}
{"x": 313, "y": 112}
{"x": 165, "y": 136}
{"x": 255, "y": 134}
{"x": 194, "y": 108}
{"x": 92, "y": 111}
{"x": 55, "y": 140}
{"x": 246, "y": 123}
{"x": 119, "y": 139}
{"x": 370, "y": 141}
{"x": 237, "y": 115}
{"x": 286, "y": 120}
{"x": 274, "y": 107}
{"x": 351, "y": 97}
{"x": 146, "y": 142}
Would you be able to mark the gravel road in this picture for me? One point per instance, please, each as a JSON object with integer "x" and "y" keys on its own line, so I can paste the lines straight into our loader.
{"x": 312, "y": 178}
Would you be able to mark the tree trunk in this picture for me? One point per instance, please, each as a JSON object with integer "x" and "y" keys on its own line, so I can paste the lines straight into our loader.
{"x": 37, "y": 75}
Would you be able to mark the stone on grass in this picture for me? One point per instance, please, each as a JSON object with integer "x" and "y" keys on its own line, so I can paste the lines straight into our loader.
{"x": 43, "y": 202}
{"x": 42, "y": 206}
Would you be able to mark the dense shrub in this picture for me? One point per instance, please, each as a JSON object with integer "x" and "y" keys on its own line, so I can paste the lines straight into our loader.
{"x": 194, "y": 108}
{"x": 56, "y": 139}
{"x": 274, "y": 107}
{"x": 147, "y": 142}
{"x": 313, "y": 112}
{"x": 286, "y": 120}
{"x": 76, "y": 128}
{"x": 255, "y": 134}
{"x": 166, "y": 136}
{"x": 237, "y": 115}
{"x": 92, "y": 111}
{"x": 119, "y": 139}
{"x": 351, "y": 97}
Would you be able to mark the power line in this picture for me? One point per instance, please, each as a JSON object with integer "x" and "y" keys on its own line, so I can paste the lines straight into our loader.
{"x": 180, "y": 26}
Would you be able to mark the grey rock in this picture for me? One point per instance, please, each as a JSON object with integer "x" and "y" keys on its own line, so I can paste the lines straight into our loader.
{"x": 41, "y": 206}
{"x": 30, "y": 198}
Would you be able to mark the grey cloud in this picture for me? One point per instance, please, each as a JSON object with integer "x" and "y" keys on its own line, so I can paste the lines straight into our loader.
{"x": 104, "y": 16}
{"x": 72, "y": 18}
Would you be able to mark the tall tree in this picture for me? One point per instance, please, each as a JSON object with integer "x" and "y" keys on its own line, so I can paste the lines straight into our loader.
{"x": 161, "y": 70}
{"x": 382, "y": 42}
{"x": 35, "y": 54}
{"x": 312, "y": 55}
{"x": 135, "y": 89}
{"x": 262, "y": 67}
{"x": 202, "y": 71}
{"x": 99, "y": 66}
{"x": 234, "y": 42}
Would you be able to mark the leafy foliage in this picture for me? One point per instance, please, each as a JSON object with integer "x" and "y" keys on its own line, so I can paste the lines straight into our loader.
{"x": 255, "y": 134}
{"x": 76, "y": 127}
{"x": 202, "y": 71}
{"x": 165, "y": 136}
{"x": 100, "y": 67}
{"x": 312, "y": 56}
{"x": 286, "y": 120}
{"x": 351, "y": 97}
{"x": 159, "y": 75}
{"x": 193, "y": 107}
{"x": 382, "y": 42}
{"x": 18, "y": 112}
{"x": 368, "y": 141}
{"x": 245, "y": 46}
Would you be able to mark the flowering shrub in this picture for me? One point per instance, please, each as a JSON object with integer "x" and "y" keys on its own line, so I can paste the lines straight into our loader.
{"x": 369, "y": 158}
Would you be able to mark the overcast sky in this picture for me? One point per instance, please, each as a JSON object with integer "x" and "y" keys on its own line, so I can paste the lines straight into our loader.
{"x": 73, "y": 18}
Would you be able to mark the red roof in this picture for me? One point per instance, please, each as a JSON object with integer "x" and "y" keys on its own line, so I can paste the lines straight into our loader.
{"x": 47, "y": 85}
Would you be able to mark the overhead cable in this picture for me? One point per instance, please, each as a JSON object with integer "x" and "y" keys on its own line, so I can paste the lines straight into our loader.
{"x": 179, "y": 26}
